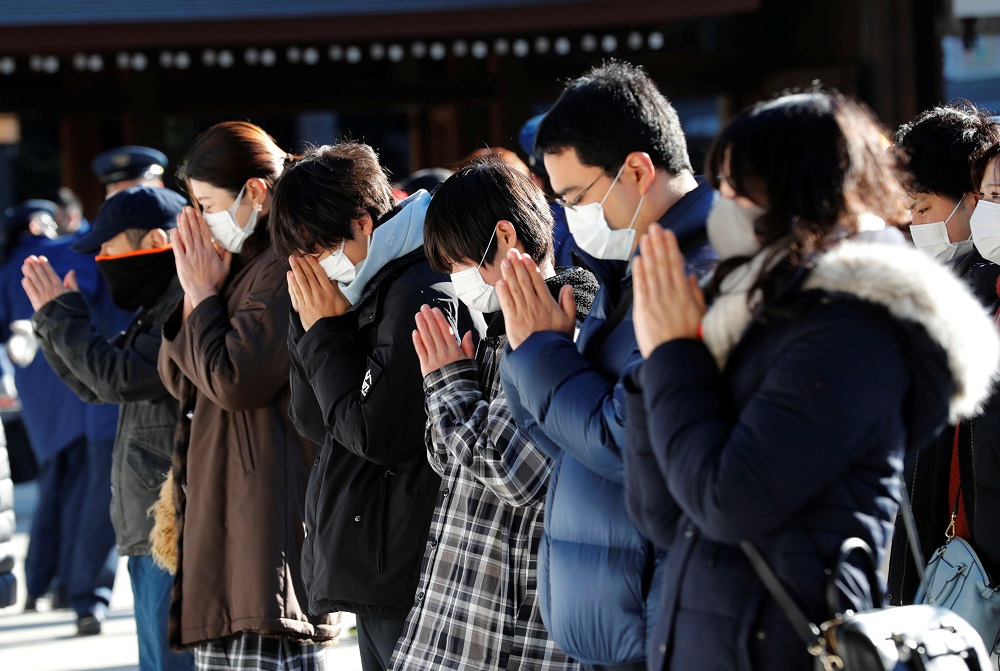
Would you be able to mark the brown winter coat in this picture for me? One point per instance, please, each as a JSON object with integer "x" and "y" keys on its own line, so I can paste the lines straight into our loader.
{"x": 240, "y": 467}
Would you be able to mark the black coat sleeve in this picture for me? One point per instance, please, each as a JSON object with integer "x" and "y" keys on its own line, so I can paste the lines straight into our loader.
{"x": 373, "y": 403}
{"x": 96, "y": 369}
{"x": 303, "y": 408}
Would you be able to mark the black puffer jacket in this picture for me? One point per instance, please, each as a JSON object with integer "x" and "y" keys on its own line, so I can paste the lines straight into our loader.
{"x": 8, "y": 584}
{"x": 121, "y": 371}
{"x": 979, "y": 465}
{"x": 357, "y": 391}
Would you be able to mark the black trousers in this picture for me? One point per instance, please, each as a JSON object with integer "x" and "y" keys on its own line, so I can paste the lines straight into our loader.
{"x": 376, "y": 640}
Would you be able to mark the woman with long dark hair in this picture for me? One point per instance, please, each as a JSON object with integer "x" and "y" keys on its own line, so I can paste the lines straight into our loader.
{"x": 240, "y": 468}
{"x": 781, "y": 414}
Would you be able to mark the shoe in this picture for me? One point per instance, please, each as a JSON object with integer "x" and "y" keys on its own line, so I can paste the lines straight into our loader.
{"x": 31, "y": 605}
{"x": 59, "y": 600}
{"x": 88, "y": 625}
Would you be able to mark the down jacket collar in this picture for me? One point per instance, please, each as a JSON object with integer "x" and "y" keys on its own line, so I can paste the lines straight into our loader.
{"x": 912, "y": 288}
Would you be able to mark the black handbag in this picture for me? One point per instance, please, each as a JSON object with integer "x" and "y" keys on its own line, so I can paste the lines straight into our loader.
{"x": 904, "y": 638}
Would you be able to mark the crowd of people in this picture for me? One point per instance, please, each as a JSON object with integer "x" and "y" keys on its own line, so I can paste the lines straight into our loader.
{"x": 524, "y": 417}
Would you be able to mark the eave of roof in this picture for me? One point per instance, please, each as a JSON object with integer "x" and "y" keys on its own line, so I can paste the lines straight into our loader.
{"x": 489, "y": 17}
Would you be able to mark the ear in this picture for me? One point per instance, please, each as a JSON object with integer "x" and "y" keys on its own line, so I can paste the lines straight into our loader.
{"x": 156, "y": 238}
{"x": 257, "y": 191}
{"x": 506, "y": 239}
{"x": 365, "y": 224}
{"x": 641, "y": 170}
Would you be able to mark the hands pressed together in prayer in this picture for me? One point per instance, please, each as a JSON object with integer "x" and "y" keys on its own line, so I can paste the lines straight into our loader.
{"x": 668, "y": 305}
{"x": 435, "y": 341}
{"x": 313, "y": 295}
{"x": 528, "y": 305}
{"x": 202, "y": 268}
{"x": 41, "y": 282}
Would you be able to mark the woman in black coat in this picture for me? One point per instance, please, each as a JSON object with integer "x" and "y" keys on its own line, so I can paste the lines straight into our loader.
{"x": 781, "y": 415}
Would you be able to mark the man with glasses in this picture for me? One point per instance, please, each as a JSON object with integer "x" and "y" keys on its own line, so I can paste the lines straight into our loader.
{"x": 617, "y": 160}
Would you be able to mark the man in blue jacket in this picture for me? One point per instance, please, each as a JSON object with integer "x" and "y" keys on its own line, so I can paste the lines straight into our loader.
{"x": 617, "y": 160}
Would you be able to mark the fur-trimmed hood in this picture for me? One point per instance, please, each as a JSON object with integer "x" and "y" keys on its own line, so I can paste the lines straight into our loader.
{"x": 911, "y": 287}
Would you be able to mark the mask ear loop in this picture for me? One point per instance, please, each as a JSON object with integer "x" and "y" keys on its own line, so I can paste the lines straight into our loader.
{"x": 636, "y": 215}
{"x": 957, "y": 205}
{"x": 483, "y": 260}
{"x": 236, "y": 204}
{"x": 617, "y": 177}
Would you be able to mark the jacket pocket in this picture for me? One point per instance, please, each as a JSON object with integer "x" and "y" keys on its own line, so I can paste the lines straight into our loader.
{"x": 147, "y": 454}
{"x": 382, "y": 513}
{"x": 311, "y": 520}
{"x": 242, "y": 426}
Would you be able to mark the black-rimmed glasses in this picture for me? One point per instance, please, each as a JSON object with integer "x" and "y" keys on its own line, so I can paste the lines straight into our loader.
{"x": 561, "y": 201}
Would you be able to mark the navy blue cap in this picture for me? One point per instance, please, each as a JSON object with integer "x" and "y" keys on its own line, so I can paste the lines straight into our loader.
{"x": 143, "y": 207}
{"x": 118, "y": 165}
{"x": 16, "y": 219}
{"x": 527, "y": 138}
{"x": 427, "y": 179}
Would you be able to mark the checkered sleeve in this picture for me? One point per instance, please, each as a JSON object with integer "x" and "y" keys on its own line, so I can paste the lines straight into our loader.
{"x": 481, "y": 435}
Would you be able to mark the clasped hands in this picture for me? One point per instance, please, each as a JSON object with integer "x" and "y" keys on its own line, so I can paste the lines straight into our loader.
{"x": 314, "y": 296}
{"x": 41, "y": 282}
{"x": 202, "y": 268}
{"x": 667, "y": 304}
{"x": 527, "y": 307}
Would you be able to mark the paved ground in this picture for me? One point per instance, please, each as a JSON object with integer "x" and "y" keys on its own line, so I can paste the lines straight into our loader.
{"x": 47, "y": 641}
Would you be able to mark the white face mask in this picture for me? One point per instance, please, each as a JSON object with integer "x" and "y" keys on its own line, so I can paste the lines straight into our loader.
{"x": 226, "y": 231}
{"x": 933, "y": 239}
{"x": 473, "y": 290}
{"x": 591, "y": 232}
{"x": 985, "y": 224}
{"x": 730, "y": 228}
{"x": 337, "y": 266}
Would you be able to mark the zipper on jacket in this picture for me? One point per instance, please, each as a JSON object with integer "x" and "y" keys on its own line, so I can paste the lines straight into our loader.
{"x": 380, "y": 538}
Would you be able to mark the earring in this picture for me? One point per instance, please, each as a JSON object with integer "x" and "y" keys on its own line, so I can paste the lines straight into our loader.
{"x": 258, "y": 207}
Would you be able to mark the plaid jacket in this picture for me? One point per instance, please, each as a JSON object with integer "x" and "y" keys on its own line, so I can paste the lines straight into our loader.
{"x": 476, "y": 605}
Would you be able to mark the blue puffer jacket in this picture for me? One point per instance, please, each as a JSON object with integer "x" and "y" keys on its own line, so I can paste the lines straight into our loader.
{"x": 795, "y": 445}
{"x": 598, "y": 576}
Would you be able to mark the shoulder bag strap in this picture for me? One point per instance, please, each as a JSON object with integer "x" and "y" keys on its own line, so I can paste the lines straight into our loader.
{"x": 807, "y": 630}
{"x": 910, "y": 525}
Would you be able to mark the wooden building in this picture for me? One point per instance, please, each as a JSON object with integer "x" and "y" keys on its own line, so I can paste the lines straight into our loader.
{"x": 425, "y": 81}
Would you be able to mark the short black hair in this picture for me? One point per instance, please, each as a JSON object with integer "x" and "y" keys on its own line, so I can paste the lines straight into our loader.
{"x": 610, "y": 112}
{"x": 941, "y": 147}
{"x": 319, "y": 195}
{"x": 465, "y": 210}
{"x": 135, "y": 236}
